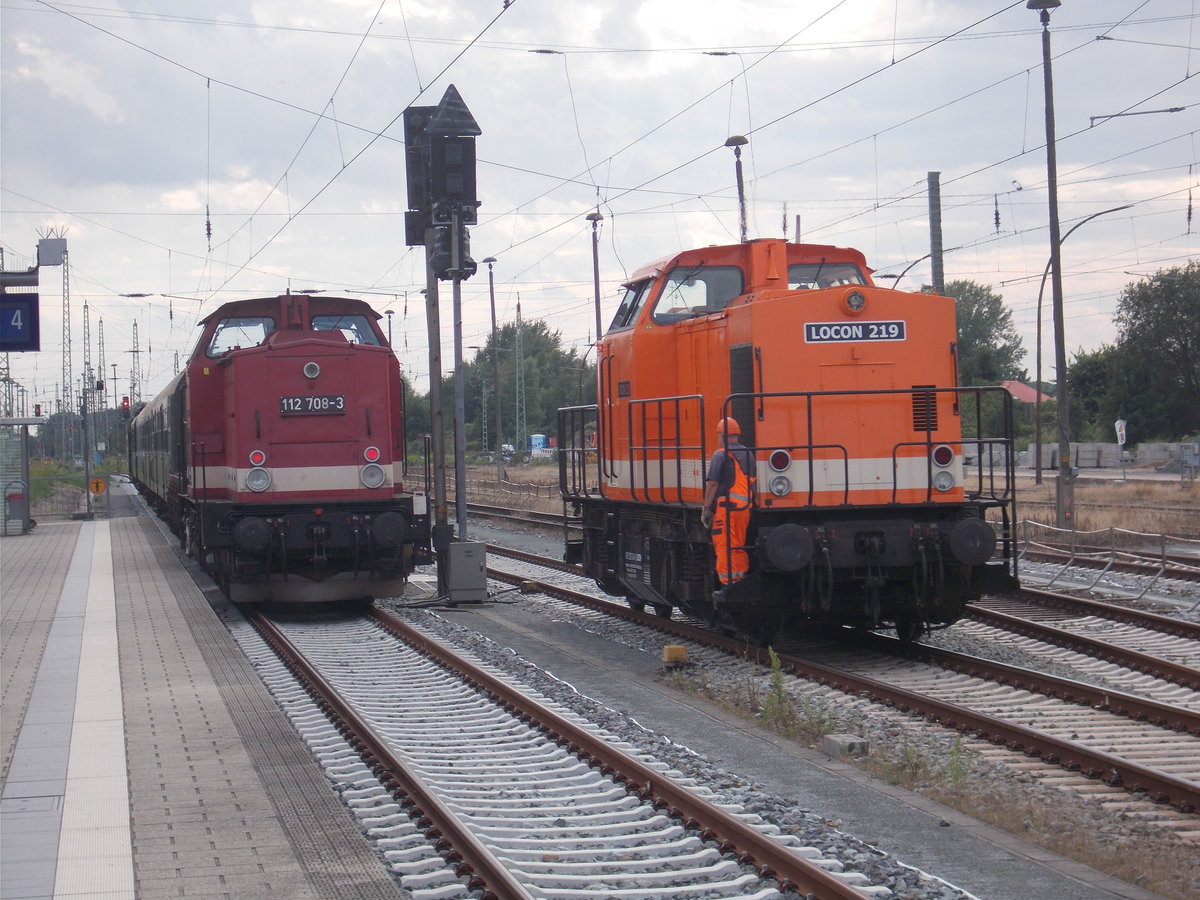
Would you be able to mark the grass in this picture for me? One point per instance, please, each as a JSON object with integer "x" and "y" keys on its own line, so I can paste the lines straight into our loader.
{"x": 1150, "y": 507}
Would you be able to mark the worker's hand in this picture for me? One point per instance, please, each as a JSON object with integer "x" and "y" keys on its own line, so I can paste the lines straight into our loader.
{"x": 706, "y": 517}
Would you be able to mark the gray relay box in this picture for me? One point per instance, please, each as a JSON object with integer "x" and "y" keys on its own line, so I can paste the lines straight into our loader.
{"x": 467, "y": 575}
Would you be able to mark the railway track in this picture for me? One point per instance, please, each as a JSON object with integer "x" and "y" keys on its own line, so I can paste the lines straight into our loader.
{"x": 472, "y": 786}
{"x": 1164, "y": 647}
{"x": 1115, "y": 748}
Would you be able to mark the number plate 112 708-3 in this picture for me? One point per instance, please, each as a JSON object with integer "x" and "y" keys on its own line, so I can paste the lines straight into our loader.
{"x": 313, "y": 405}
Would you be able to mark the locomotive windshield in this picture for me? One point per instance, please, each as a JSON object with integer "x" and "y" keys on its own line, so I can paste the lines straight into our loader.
{"x": 239, "y": 331}
{"x": 355, "y": 328}
{"x": 631, "y": 305}
{"x": 696, "y": 291}
{"x": 811, "y": 276}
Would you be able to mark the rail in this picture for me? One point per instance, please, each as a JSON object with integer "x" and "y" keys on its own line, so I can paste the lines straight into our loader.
{"x": 1092, "y": 763}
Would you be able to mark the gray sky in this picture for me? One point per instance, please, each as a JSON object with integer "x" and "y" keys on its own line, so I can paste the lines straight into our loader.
{"x": 124, "y": 121}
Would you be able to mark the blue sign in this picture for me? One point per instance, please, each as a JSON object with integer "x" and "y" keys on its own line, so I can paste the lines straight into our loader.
{"x": 19, "y": 331}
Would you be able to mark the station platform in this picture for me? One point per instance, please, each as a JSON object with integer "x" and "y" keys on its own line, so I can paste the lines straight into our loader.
{"x": 142, "y": 756}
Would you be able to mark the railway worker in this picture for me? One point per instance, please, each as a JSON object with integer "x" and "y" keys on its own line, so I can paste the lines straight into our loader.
{"x": 728, "y": 499}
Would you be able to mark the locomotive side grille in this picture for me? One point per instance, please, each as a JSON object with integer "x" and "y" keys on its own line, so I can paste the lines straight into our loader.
{"x": 924, "y": 409}
{"x": 741, "y": 381}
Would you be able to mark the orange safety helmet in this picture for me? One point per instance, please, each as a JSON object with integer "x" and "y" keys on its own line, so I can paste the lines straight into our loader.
{"x": 729, "y": 426}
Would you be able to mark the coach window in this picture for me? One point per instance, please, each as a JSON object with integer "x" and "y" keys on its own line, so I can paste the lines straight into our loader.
{"x": 355, "y": 328}
{"x": 631, "y": 305}
{"x": 239, "y": 331}
{"x": 812, "y": 276}
{"x": 696, "y": 291}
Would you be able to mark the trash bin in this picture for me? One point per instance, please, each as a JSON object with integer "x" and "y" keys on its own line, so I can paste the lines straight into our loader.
{"x": 16, "y": 507}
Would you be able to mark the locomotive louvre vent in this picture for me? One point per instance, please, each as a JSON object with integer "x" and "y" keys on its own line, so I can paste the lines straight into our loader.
{"x": 741, "y": 381}
{"x": 924, "y": 408}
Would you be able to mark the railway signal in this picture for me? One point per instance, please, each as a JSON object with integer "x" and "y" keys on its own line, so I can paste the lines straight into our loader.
{"x": 440, "y": 165}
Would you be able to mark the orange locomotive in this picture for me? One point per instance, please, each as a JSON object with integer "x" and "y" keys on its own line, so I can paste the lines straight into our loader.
{"x": 278, "y": 454}
{"x": 863, "y": 508}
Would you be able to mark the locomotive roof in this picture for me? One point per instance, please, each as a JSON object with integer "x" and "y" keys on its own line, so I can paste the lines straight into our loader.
{"x": 316, "y": 305}
{"x": 796, "y": 253}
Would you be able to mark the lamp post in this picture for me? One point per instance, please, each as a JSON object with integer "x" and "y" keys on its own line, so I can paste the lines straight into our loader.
{"x": 491, "y": 261}
{"x": 1037, "y": 403}
{"x": 1064, "y": 489}
{"x": 737, "y": 142}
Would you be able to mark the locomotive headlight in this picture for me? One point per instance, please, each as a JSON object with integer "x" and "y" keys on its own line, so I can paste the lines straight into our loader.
{"x": 943, "y": 480}
{"x": 311, "y": 370}
{"x": 855, "y": 300}
{"x": 258, "y": 479}
{"x": 780, "y": 485}
{"x": 372, "y": 476}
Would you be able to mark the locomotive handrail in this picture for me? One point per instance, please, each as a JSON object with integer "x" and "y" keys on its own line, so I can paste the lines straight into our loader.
{"x": 572, "y": 459}
{"x": 605, "y": 438}
{"x": 646, "y": 448}
{"x": 809, "y": 448}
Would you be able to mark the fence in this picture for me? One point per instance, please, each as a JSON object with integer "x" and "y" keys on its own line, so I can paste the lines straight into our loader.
{"x": 1109, "y": 546}
{"x": 545, "y": 497}
{"x": 66, "y": 497}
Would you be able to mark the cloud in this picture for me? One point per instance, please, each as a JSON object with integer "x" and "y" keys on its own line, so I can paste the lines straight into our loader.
{"x": 66, "y": 78}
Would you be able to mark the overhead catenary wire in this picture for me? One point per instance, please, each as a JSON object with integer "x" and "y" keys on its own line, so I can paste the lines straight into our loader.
{"x": 712, "y": 200}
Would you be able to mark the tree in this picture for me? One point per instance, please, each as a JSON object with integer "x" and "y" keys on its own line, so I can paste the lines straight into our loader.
{"x": 1159, "y": 343}
{"x": 989, "y": 348}
{"x": 553, "y": 378}
{"x": 1092, "y": 378}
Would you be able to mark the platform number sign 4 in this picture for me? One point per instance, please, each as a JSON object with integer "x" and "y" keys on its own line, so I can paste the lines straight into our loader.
{"x": 19, "y": 323}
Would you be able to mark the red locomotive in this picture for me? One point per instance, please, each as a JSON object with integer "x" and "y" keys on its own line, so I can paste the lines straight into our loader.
{"x": 278, "y": 455}
{"x": 876, "y": 496}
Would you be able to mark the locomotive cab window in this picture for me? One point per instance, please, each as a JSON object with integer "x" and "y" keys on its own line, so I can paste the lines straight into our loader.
{"x": 696, "y": 291}
{"x": 354, "y": 328}
{"x": 631, "y": 305}
{"x": 813, "y": 276}
{"x": 239, "y": 331}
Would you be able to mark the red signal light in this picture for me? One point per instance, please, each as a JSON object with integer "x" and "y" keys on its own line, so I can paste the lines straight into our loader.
{"x": 258, "y": 458}
{"x": 943, "y": 455}
{"x": 372, "y": 454}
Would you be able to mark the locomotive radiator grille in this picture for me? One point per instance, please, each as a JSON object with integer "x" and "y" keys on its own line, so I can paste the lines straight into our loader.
{"x": 924, "y": 408}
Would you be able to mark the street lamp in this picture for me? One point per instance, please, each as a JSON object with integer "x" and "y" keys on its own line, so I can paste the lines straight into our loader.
{"x": 737, "y": 142}
{"x": 1064, "y": 488}
{"x": 491, "y": 261}
{"x": 1037, "y": 403}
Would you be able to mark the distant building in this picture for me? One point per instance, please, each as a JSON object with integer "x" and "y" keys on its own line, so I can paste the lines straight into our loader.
{"x": 1026, "y": 398}
{"x": 1023, "y": 393}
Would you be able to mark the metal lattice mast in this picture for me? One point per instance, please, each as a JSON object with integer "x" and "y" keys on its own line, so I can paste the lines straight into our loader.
{"x": 520, "y": 445}
{"x": 100, "y": 368}
{"x": 483, "y": 403}
{"x": 89, "y": 379}
{"x": 135, "y": 370}
{"x": 7, "y": 382}
{"x": 67, "y": 403}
